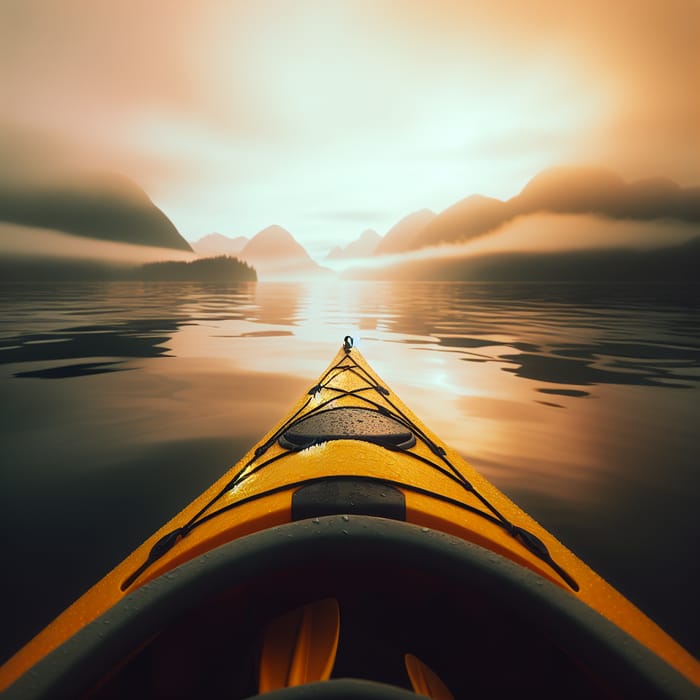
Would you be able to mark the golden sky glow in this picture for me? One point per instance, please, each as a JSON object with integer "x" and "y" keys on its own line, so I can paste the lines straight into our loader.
{"x": 328, "y": 118}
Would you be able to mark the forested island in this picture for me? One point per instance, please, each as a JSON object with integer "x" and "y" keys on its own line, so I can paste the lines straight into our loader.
{"x": 222, "y": 268}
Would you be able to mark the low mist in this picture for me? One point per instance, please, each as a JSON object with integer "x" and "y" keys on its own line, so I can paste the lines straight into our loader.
{"x": 24, "y": 241}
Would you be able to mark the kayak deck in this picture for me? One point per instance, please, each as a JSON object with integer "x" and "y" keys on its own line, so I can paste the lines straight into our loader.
{"x": 350, "y": 459}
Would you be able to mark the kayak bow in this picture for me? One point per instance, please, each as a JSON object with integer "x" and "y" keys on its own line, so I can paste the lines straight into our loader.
{"x": 351, "y": 554}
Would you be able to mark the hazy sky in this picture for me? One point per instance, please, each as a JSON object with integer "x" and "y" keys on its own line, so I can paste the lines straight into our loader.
{"x": 330, "y": 117}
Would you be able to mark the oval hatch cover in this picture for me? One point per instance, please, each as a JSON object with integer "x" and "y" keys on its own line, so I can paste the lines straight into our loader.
{"x": 347, "y": 423}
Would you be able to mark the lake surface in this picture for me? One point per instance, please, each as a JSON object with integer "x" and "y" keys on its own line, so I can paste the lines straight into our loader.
{"x": 121, "y": 401}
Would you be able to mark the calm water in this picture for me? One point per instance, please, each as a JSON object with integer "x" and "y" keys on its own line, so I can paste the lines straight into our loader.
{"x": 121, "y": 401}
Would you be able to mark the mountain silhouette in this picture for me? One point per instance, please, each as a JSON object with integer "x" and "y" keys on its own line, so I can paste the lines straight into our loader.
{"x": 675, "y": 263}
{"x": 402, "y": 236}
{"x": 469, "y": 218}
{"x": 218, "y": 244}
{"x": 361, "y": 247}
{"x": 273, "y": 243}
{"x": 103, "y": 206}
{"x": 564, "y": 190}
{"x": 603, "y": 192}
{"x": 275, "y": 253}
{"x": 570, "y": 191}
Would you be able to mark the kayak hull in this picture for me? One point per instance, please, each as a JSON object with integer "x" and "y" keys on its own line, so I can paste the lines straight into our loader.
{"x": 352, "y": 476}
{"x": 356, "y": 556}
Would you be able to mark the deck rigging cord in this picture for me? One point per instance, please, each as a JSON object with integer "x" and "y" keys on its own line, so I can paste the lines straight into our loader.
{"x": 348, "y": 364}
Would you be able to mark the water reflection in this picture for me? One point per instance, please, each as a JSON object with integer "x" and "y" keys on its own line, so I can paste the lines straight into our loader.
{"x": 579, "y": 335}
{"x": 128, "y": 339}
{"x": 82, "y": 369}
{"x": 582, "y": 369}
{"x": 558, "y": 334}
{"x": 566, "y": 396}
{"x": 564, "y": 392}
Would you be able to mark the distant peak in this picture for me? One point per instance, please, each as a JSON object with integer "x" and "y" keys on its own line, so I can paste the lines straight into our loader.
{"x": 112, "y": 185}
{"x": 274, "y": 242}
{"x": 573, "y": 177}
{"x": 420, "y": 214}
{"x": 363, "y": 246}
{"x": 216, "y": 236}
{"x": 411, "y": 222}
{"x": 480, "y": 199}
{"x": 219, "y": 244}
{"x": 401, "y": 236}
{"x": 473, "y": 201}
{"x": 91, "y": 204}
{"x": 274, "y": 233}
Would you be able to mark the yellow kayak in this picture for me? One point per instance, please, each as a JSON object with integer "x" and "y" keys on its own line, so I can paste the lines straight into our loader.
{"x": 351, "y": 554}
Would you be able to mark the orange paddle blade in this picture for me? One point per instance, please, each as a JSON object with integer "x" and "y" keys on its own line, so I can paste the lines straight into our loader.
{"x": 425, "y": 681}
{"x": 300, "y": 646}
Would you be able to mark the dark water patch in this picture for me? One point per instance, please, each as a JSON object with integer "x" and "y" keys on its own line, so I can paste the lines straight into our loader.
{"x": 690, "y": 355}
{"x": 665, "y": 373}
{"x": 559, "y": 370}
{"x": 265, "y": 334}
{"x": 661, "y": 364}
{"x": 131, "y": 326}
{"x": 643, "y": 364}
{"x": 526, "y": 347}
{"x": 565, "y": 392}
{"x": 79, "y": 370}
{"x": 16, "y": 343}
{"x": 640, "y": 363}
{"x": 466, "y": 342}
{"x": 135, "y": 338}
